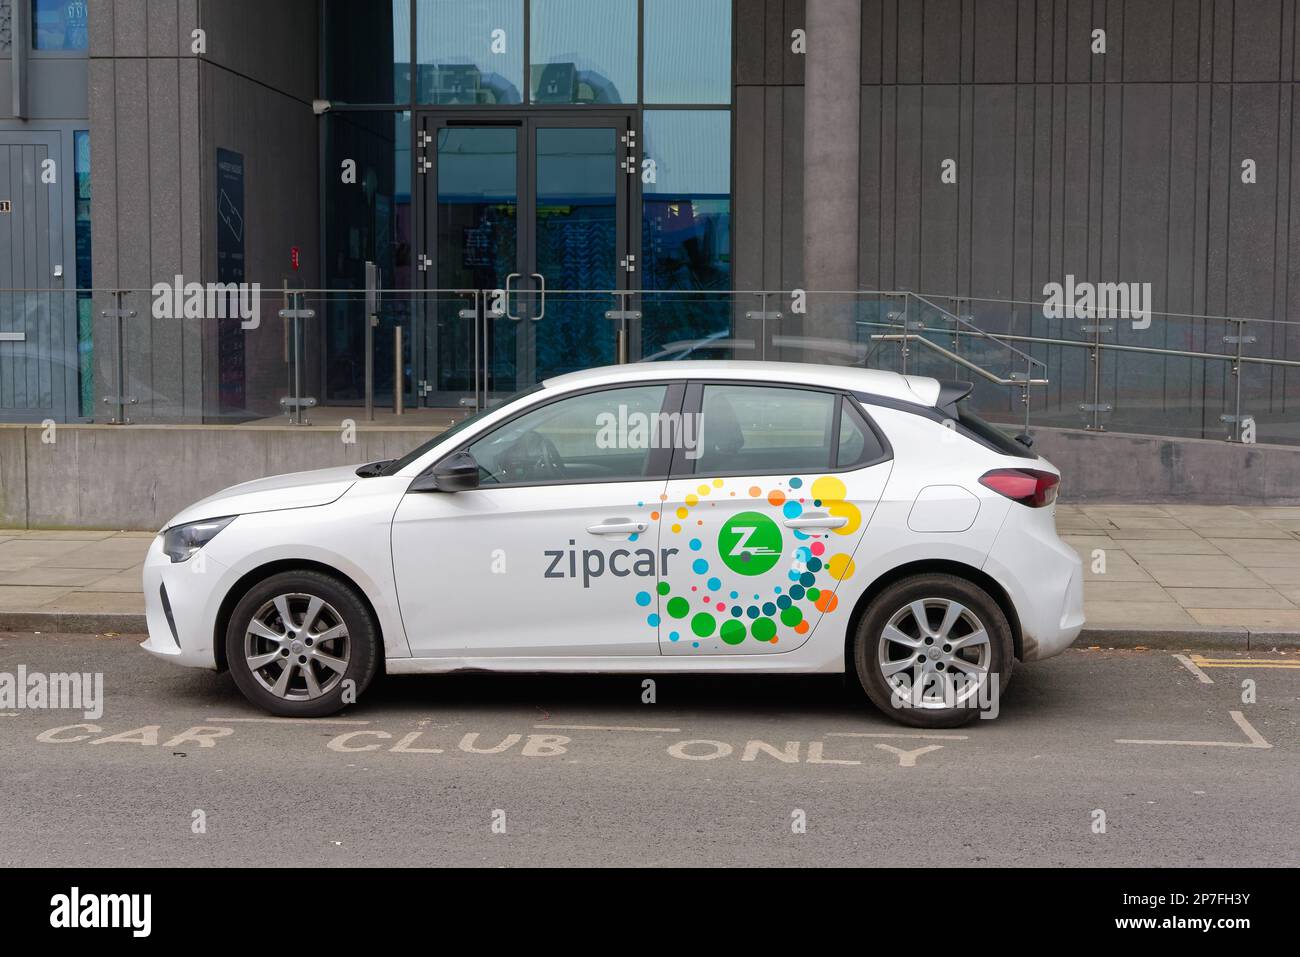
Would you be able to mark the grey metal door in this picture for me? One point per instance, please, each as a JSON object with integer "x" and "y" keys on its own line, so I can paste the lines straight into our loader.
{"x": 38, "y": 321}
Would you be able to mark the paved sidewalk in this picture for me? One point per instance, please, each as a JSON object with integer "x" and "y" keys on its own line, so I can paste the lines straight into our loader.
{"x": 1160, "y": 575}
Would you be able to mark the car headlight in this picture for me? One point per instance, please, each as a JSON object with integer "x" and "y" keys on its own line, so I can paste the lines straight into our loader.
{"x": 180, "y": 542}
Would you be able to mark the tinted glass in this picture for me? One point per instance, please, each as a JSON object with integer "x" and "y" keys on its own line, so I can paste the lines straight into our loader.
{"x": 470, "y": 51}
{"x": 367, "y": 51}
{"x": 576, "y": 245}
{"x": 583, "y": 52}
{"x": 686, "y": 226}
{"x": 858, "y": 443}
{"x": 58, "y": 24}
{"x": 688, "y": 51}
{"x": 754, "y": 430}
{"x": 477, "y": 248}
{"x": 595, "y": 437}
{"x": 365, "y": 220}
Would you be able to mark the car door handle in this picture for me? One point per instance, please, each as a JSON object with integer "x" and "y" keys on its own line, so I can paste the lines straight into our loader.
{"x": 817, "y": 520}
{"x": 618, "y": 526}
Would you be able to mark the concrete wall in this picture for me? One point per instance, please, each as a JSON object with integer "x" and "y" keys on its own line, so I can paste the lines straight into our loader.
{"x": 158, "y": 114}
{"x": 1118, "y": 467}
{"x": 92, "y": 476}
{"x": 146, "y": 176}
{"x": 255, "y": 88}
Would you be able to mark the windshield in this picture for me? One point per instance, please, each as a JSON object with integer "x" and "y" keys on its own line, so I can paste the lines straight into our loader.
{"x": 398, "y": 464}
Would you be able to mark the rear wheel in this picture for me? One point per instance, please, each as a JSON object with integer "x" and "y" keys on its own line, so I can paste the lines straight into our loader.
{"x": 932, "y": 649}
{"x": 302, "y": 644}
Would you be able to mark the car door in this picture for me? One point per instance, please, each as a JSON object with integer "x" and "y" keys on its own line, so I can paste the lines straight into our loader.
{"x": 768, "y": 509}
{"x": 555, "y": 553}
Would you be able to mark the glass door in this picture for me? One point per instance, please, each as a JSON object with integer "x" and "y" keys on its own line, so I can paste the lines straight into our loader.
{"x": 474, "y": 179}
{"x": 580, "y": 234}
{"x": 534, "y": 211}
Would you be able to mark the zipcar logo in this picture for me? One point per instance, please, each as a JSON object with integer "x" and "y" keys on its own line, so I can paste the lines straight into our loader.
{"x": 750, "y": 543}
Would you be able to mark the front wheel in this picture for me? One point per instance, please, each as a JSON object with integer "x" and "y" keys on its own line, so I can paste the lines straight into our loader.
{"x": 302, "y": 644}
{"x": 933, "y": 651}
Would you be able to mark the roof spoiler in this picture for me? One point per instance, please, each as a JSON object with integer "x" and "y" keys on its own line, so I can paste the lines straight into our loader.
{"x": 952, "y": 391}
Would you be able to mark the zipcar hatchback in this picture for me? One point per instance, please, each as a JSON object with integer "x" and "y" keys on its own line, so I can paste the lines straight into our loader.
{"x": 721, "y": 517}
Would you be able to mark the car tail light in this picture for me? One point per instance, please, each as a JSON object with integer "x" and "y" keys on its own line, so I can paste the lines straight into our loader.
{"x": 1026, "y": 486}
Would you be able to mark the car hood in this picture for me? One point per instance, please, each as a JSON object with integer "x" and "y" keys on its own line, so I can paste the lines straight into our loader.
{"x": 294, "y": 490}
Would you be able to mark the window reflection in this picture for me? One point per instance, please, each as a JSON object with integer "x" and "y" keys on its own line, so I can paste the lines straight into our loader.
{"x": 367, "y": 51}
{"x": 369, "y": 220}
{"x": 686, "y": 227}
{"x": 688, "y": 51}
{"x": 58, "y": 24}
{"x": 583, "y": 53}
{"x": 470, "y": 52}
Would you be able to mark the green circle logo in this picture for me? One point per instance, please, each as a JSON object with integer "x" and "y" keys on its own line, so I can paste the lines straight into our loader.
{"x": 750, "y": 543}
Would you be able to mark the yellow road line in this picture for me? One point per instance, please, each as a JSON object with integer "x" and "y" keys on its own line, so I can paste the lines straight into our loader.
{"x": 1243, "y": 663}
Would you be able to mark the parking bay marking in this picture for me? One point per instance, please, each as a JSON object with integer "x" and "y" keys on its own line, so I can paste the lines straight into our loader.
{"x": 1195, "y": 669}
{"x": 290, "y": 720}
{"x": 1256, "y": 739}
{"x": 603, "y": 727}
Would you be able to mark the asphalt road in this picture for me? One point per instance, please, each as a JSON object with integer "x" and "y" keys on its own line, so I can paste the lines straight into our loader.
{"x": 584, "y": 773}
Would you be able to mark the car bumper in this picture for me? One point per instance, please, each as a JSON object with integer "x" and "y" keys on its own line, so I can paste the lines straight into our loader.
{"x": 177, "y": 607}
{"x": 1044, "y": 579}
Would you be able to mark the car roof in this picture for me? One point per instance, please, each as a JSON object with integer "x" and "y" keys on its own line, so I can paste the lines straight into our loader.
{"x": 920, "y": 390}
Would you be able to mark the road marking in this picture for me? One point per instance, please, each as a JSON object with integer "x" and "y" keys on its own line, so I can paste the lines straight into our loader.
{"x": 288, "y": 720}
{"x": 603, "y": 727}
{"x": 1203, "y": 662}
{"x": 1191, "y": 666}
{"x": 1256, "y": 739}
{"x": 874, "y": 734}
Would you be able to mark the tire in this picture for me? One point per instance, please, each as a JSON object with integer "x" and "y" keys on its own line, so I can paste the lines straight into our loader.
{"x": 260, "y": 649}
{"x": 942, "y": 702}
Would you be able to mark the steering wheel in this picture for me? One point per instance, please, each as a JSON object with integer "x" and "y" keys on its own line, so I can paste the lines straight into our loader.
{"x": 533, "y": 458}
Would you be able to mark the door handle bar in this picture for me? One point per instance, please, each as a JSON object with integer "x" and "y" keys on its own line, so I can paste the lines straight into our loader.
{"x": 509, "y": 314}
{"x": 817, "y": 520}
{"x": 618, "y": 526}
{"x": 542, "y": 280}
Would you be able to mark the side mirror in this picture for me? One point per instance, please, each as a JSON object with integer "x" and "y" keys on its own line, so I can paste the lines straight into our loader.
{"x": 456, "y": 473}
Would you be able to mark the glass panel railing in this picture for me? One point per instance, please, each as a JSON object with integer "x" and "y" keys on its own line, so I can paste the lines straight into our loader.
{"x": 156, "y": 357}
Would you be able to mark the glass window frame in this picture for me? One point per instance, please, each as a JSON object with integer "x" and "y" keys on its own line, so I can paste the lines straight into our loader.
{"x": 636, "y": 105}
{"x": 658, "y": 462}
{"x": 684, "y": 468}
{"x": 50, "y": 53}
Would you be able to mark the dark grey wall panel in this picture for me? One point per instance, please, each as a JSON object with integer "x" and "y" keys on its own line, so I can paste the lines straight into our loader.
{"x": 1144, "y": 192}
{"x": 1149, "y": 28}
{"x": 940, "y": 202}
{"x": 941, "y": 41}
{"x": 995, "y": 40}
{"x": 1256, "y": 40}
{"x": 993, "y": 190}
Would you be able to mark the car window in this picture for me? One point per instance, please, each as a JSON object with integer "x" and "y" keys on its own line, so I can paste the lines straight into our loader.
{"x": 858, "y": 443}
{"x": 756, "y": 430}
{"x": 392, "y": 468}
{"x": 594, "y": 437}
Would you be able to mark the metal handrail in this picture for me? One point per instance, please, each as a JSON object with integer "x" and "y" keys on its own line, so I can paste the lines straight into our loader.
{"x": 960, "y": 359}
{"x": 977, "y": 330}
{"x": 1114, "y": 347}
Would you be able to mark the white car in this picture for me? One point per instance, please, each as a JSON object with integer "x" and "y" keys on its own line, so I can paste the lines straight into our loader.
{"x": 722, "y": 517}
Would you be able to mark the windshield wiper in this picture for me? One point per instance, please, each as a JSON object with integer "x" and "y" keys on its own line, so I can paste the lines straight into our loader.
{"x": 371, "y": 469}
